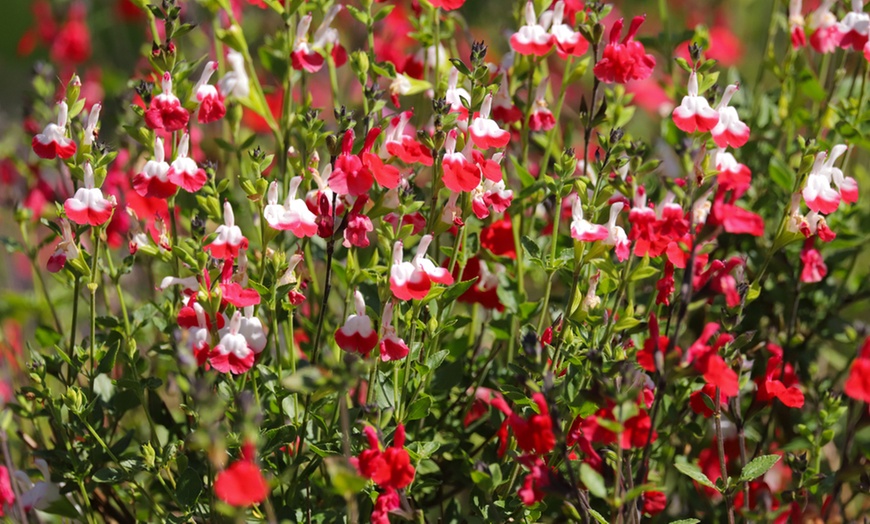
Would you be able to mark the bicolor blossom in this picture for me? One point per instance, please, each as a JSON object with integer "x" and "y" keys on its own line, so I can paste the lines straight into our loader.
{"x": 796, "y": 24}
{"x": 53, "y": 142}
{"x": 541, "y": 118}
{"x": 616, "y": 236}
{"x": 66, "y": 249}
{"x": 210, "y": 102}
{"x": 485, "y": 132}
{"x": 354, "y": 175}
{"x": 694, "y": 112}
{"x": 152, "y": 180}
{"x": 460, "y": 174}
{"x": 184, "y": 172}
{"x": 402, "y": 146}
{"x": 392, "y": 347}
{"x": 818, "y": 193}
{"x": 532, "y": 38}
{"x": 729, "y": 131}
{"x": 357, "y": 334}
{"x": 626, "y": 60}
{"x": 412, "y": 280}
{"x": 91, "y": 131}
{"x": 166, "y": 111}
{"x": 229, "y": 238}
{"x": 88, "y": 206}
{"x": 307, "y": 56}
{"x": 568, "y": 42}
{"x": 294, "y": 215}
{"x": 582, "y": 229}
{"x": 232, "y": 354}
{"x": 825, "y": 36}
{"x": 854, "y": 28}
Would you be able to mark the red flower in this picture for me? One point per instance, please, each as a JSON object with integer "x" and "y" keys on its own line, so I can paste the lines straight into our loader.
{"x": 53, "y": 142}
{"x": 654, "y": 502}
{"x": 447, "y": 5}
{"x": 708, "y": 362}
{"x": 699, "y": 406}
{"x": 858, "y": 384}
{"x": 626, "y": 60}
{"x": 242, "y": 484}
{"x": 498, "y": 238}
{"x": 72, "y": 45}
{"x": 814, "y": 268}
{"x": 390, "y": 468}
{"x": 535, "y": 434}
{"x": 7, "y": 495}
{"x": 538, "y": 478}
{"x": 357, "y": 334}
{"x": 166, "y": 111}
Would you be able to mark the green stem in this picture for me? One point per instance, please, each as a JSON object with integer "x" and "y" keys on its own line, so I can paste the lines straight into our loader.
{"x": 92, "y": 286}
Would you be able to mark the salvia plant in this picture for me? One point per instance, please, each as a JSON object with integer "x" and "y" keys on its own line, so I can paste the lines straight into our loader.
{"x": 436, "y": 261}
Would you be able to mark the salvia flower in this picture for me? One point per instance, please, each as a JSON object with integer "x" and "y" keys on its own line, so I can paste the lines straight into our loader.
{"x": 66, "y": 249}
{"x": 392, "y": 347}
{"x": 294, "y": 215}
{"x": 825, "y": 35}
{"x": 402, "y": 146}
{"x": 626, "y": 60}
{"x": 796, "y": 24}
{"x": 532, "y": 38}
{"x": 166, "y": 111}
{"x": 211, "y": 104}
{"x": 53, "y": 142}
{"x": 357, "y": 334}
{"x": 582, "y": 229}
{"x": 541, "y": 118}
{"x": 91, "y": 131}
{"x": 485, "y": 132}
{"x": 229, "y": 237}
{"x": 358, "y": 225}
{"x": 854, "y": 28}
{"x": 568, "y": 42}
{"x": 232, "y": 354}
{"x": 307, "y": 56}
{"x": 235, "y": 82}
{"x": 857, "y": 386}
{"x": 152, "y": 180}
{"x": 242, "y": 484}
{"x": 814, "y": 268}
{"x": 412, "y": 280}
{"x": 616, "y": 236}
{"x": 460, "y": 173}
{"x": 729, "y": 131}
{"x": 818, "y": 193}
{"x": 88, "y": 206}
{"x": 184, "y": 172}
{"x": 694, "y": 112}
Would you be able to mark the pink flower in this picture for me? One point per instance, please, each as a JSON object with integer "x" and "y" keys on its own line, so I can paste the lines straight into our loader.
{"x": 232, "y": 354}
{"x": 626, "y": 60}
{"x": 166, "y": 111}
{"x": 357, "y": 334}
{"x": 184, "y": 172}
{"x": 351, "y": 175}
{"x": 490, "y": 196}
{"x": 532, "y": 38}
{"x": 582, "y": 229}
{"x": 694, "y": 112}
{"x": 857, "y": 385}
{"x": 88, "y": 206}
{"x": 796, "y": 24}
{"x": 814, "y": 269}
{"x": 294, "y": 215}
{"x": 153, "y": 181}
{"x": 309, "y": 57}
{"x": 447, "y": 5}
{"x": 412, "y": 280}
{"x": 818, "y": 193}
{"x": 402, "y": 146}
{"x": 358, "y": 225}
{"x": 211, "y": 104}
{"x": 825, "y": 37}
{"x": 229, "y": 237}
{"x": 53, "y": 142}
{"x": 729, "y": 131}
{"x": 454, "y": 95}
{"x": 485, "y": 133}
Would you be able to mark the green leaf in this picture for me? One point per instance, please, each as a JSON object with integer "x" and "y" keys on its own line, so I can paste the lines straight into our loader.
{"x": 531, "y": 247}
{"x": 460, "y": 66}
{"x": 189, "y": 487}
{"x": 419, "y": 408}
{"x": 758, "y": 467}
{"x": 598, "y": 516}
{"x": 108, "y": 475}
{"x": 626, "y": 323}
{"x": 781, "y": 174}
{"x": 686, "y": 521}
{"x": 694, "y": 472}
{"x": 455, "y": 291}
{"x": 593, "y": 481}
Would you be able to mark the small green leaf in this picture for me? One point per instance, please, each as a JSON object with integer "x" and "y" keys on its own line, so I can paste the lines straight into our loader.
{"x": 598, "y": 516}
{"x": 694, "y": 472}
{"x": 531, "y": 247}
{"x": 758, "y": 467}
{"x": 189, "y": 487}
{"x": 107, "y": 475}
{"x": 686, "y": 521}
{"x": 593, "y": 481}
{"x": 419, "y": 408}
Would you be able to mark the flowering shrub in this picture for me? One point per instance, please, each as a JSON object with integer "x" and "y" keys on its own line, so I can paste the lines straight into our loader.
{"x": 333, "y": 261}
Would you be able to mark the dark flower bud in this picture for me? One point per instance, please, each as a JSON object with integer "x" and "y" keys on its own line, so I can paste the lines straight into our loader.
{"x": 478, "y": 53}
{"x": 695, "y": 52}
{"x": 616, "y": 135}
{"x": 144, "y": 90}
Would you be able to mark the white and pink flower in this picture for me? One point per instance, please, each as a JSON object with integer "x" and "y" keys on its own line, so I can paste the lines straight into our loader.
{"x": 88, "y": 205}
{"x": 53, "y": 142}
{"x": 694, "y": 112}
{"x": 357, "y": 334}
{"x": 485, "y": 132}
{"x": 730, "y": 130}
{"x": 229, "y": 237}
{"x": 184, "y": 172}
{"x": 294, "y": 215}
{"x": 153, "y": 180}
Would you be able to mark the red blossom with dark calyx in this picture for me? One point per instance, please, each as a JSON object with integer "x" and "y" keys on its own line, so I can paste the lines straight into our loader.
{"x": 354, "y": 175}
{"x": 242, "y": 484}
{"x": 626, "y": 60}
{"x": 652, "y": 356}
{"x": 485, "y": 289}
{"x": 498, "y": 238}
{"x": 402, "y": 146}
{"x": 699, "y": 399}
{"x": 536, "y": 481}
{"x": 392, "y": 347}
{"x": 166, "y": 111}
{"x": 390, "y": 468}
{"x": 813, "y": 265}
{"x": 534, "y": 434}
{"x": 707, "y": 361}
